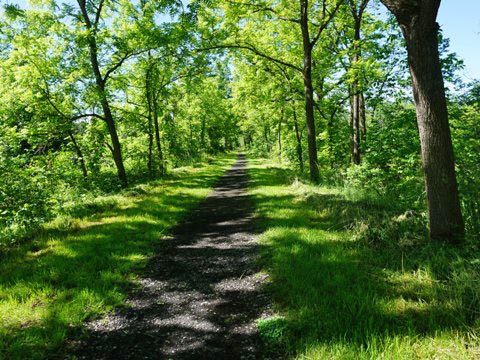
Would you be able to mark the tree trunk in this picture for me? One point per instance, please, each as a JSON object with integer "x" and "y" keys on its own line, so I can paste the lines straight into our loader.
{"x": 279, "y": 137}
{"x": 116, "y": 148}
{"x": 330, "y": 129}
{"x": 419, "y": 27}
{"x": 357, "y": 101}
{"x": 150, "y": 122}
{"x": 266, "y": 137}
{"x": 202, "y": 133}
{"x": 299, "y": 139}
{"x": 308, "y": 89}
{"x": 158, "y": 141}
{"x": 79, "y": 152}
{"x": 357, "y": 92}
{"x": 363, "y": 117}
{"x": 100, "y": 84}
{"x": 355, "y": 120}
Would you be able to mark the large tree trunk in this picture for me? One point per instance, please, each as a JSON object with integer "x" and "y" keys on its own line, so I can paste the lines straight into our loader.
{"x": 308, "y": 89}
{"x": 419, "y": 27}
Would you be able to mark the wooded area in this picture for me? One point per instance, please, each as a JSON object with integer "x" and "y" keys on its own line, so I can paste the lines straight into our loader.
{"x": 363, "y": 97}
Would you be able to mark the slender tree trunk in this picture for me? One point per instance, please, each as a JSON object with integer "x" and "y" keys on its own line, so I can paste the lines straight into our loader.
{"x": 150, "y": 148}
{"x": 267, "y": 140}
{"x": 79, "y": 152}
{"x": 355, "y": 119}
{"x": 420, "y": 29}
{"x": 299, "y": 139}
{"x": 357, "y": 92}
{"x": 363, "y": 117}
{"x": 308, "y": 89}
{"x": 158, "y": 140}
{"x": 116, "y": 148}
{"x": 357, "y": 8}
{"x": 150, "y": 121}
{"x": 331, "y": 155}
{"x": 190, "y": 136}
{"x": 279, "y": 137}
{"x": 202, "y": 133}
{"x": 100, "y": 84}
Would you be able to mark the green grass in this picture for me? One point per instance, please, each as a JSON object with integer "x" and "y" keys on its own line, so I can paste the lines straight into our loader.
{"x": 354, "y": 277}
{"x": 82, "y": 265}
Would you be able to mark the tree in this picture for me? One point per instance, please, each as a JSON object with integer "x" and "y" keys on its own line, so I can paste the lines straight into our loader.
{"x": 314, "y": 18}
{"x": 101, "y": 81}
{"x": 417, "y": 19}
{"x": 357, "y": 101}
{"x": 308, "y": 45}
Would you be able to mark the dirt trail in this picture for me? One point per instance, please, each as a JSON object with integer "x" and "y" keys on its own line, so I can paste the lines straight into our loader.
{"x": 201, "y": 295}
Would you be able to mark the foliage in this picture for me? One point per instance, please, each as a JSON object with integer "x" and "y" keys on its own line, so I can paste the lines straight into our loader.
{"x": 107, "y": 240}
{"x": 157, "y": 85}
{"x": 355, "y": 276}
{"x": 54, "y": 126}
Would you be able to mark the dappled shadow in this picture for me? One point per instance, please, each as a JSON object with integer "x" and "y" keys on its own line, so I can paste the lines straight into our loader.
{"x": 72, "y": 273}
{"x": 201, "y": 294}
{"x": 335, "y": 290}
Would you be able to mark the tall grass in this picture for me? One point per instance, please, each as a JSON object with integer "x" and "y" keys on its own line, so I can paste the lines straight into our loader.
{"x": 84, "y": 262}
{"x": 354, "y": 277}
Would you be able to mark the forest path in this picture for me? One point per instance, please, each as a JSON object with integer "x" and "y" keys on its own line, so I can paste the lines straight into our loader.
{"x": 201, "y": 293}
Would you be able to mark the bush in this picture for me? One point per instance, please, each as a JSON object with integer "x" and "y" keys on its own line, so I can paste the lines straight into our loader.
{"x": 24, "y": 201}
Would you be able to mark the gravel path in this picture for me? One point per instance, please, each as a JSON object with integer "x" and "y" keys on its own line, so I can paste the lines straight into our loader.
{"x": 201, "y": 294}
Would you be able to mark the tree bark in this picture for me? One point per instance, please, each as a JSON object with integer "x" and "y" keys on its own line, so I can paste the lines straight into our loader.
{"x": 100, "y": 84}
{"x": 363, "y": 117}
{"x": 299, "y": 139}
{"x": 116, "y": 148}
{"x": 150, "y": 120}
{"x": 79, "y": 152}
{"x": 420, "y": 30}
{"x": 279, "y": 137}
{"x": 158, "y": 141}
{"x": 357, "y": 101}
{"x": 308, "y": 90}
{"x": 355, "y": 121}
{"x": 268, "y": 147}
{"x": 202, "y": 133}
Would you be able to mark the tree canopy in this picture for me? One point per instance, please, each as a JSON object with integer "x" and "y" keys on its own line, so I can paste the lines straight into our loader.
{"x": 95, "y": 87}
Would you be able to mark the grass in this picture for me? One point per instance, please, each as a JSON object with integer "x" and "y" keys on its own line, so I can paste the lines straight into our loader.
{"x": 354, "y": 277}
{"x": 82, "y": 265}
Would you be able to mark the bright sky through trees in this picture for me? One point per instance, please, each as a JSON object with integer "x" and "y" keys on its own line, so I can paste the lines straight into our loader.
{"x": 460, "y": 21}
{"x": 461, "y": 24}
{"x": 356, "y": 186}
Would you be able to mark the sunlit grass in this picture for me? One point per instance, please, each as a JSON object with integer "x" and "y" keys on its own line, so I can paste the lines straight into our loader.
{"x": 83, "y": 264}
{"x": 354, "y": 277}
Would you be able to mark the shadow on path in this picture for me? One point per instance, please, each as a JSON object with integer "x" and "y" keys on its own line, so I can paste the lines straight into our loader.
{"x": 201, "y": 294}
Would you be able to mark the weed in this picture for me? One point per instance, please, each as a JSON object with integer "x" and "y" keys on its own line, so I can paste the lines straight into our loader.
{"x": 83, "y": 263}
{"x": 355, "y": 277}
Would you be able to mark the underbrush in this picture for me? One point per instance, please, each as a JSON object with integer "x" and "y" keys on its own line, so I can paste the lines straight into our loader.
{"x": 33, "y": 192}
{"x": 354, "y": 276}
{"x": 82, "y": 263}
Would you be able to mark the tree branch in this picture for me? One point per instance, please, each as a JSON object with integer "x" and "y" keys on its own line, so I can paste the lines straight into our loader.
{"x": 253, "y": 50}
{"x": 325, "y": 22}
{"x": 98, "y": 14}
